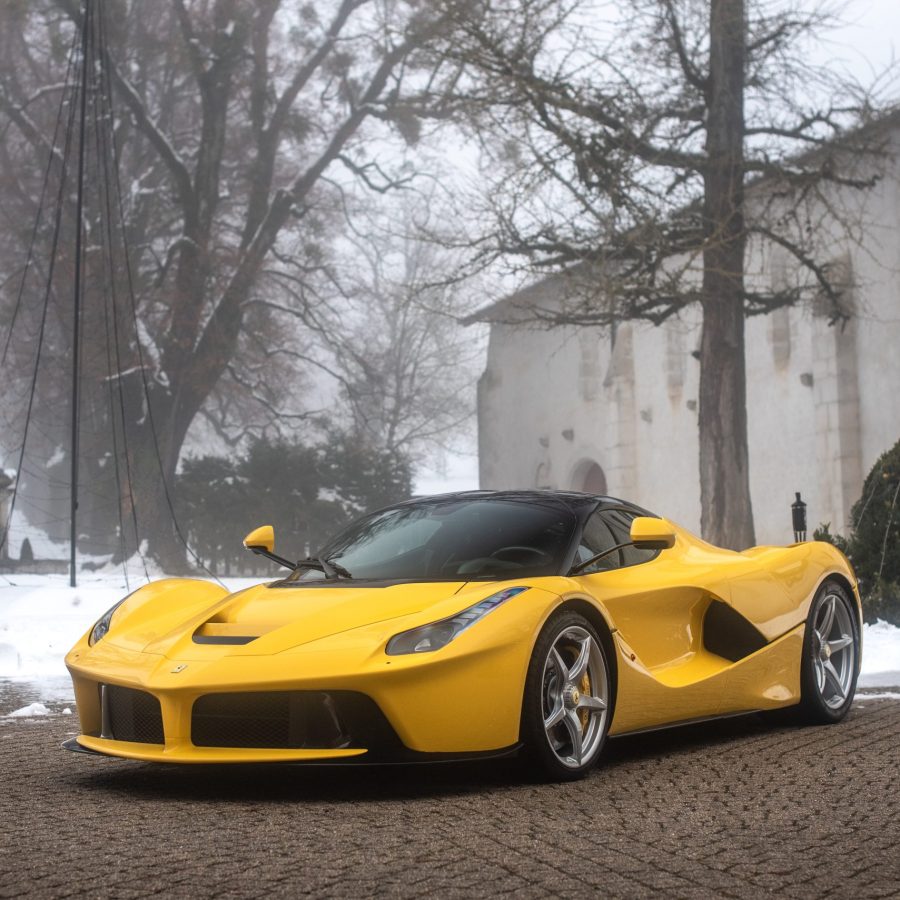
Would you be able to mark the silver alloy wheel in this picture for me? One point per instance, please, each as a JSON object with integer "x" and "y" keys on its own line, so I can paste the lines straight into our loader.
{"x": 834, "y": 652}
{"x": 574, "y": 697}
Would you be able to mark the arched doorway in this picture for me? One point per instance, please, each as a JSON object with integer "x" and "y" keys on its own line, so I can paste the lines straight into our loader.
{"x": 589, "y": 477}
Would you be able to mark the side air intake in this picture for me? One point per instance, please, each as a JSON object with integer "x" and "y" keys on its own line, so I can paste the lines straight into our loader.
{"x": 728, "y": 634}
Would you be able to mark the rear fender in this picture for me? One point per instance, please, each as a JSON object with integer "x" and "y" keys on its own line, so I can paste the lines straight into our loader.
{"x": 795, "y": 574}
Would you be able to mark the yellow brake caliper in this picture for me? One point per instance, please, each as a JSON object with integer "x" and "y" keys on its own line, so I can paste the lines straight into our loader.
{"x": 584, "y": 713}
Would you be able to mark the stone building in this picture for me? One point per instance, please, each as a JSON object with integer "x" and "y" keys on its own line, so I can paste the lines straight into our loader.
{"x": 615, "y": 410}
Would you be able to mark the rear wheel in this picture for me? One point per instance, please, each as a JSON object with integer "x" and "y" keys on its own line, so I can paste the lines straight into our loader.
{"x": 566, "y": 708}
{"x": 830, "y": 663}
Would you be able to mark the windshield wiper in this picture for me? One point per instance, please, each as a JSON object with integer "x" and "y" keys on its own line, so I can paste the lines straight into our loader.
{"x": 328, "y": 568}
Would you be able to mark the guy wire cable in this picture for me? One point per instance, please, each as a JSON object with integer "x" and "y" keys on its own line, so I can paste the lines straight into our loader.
{"x": 37, "y": 220}
{"x": 103, "y": 113}
{"x": 109, "y": 279}
{"x": 107, "y": 60}
{"x": 77, "y": 297}
{"x": 67, "y": 147}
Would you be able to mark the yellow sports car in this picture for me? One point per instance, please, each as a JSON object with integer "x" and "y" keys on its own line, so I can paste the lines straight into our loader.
{"x": 474, "y": 624}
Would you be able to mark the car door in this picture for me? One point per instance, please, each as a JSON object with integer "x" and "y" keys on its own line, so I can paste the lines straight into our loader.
{"x": 657, "y": 600}
{"x": 651, "y": 609}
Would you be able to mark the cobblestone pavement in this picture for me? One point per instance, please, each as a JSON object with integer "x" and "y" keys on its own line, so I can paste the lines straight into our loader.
{"x": 731, "y": 809}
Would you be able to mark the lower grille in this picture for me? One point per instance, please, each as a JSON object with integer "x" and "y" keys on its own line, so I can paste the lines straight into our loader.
{"x": 130, "y": 715}
{"x": 291, "y": 720}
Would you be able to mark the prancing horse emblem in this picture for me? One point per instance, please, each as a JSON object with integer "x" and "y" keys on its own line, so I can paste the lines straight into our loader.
{"x": 179, "y": 668}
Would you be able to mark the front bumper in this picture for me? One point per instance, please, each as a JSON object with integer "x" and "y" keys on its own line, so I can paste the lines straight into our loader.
{"x": 464, "y": 702}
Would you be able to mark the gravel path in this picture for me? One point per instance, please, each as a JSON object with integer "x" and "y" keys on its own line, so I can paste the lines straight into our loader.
{"x": 731, "y": 809}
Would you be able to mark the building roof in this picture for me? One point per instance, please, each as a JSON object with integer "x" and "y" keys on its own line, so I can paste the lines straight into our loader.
{"x": 505, "y": 309}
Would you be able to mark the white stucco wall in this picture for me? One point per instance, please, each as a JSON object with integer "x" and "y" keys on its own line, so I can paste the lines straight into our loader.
{"x": 550, "y": 400}
{"x": 823, "y": 402}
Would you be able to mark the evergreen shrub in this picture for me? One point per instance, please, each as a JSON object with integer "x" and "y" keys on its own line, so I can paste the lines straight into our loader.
{"x": 873, "y": 545}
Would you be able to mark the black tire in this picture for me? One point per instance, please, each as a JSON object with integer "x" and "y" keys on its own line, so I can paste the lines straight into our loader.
{"x": 551, "y": 753}
{"x": 818, "y": 705}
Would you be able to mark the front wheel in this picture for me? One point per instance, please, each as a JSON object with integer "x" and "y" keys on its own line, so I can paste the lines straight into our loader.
{"x": 566, "y": 707}
{"x": 830, "y": 664}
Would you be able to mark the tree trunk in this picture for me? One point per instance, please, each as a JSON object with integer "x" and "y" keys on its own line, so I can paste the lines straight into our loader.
{"x": 726, "y": 512}
{"x": 163, "y": 543}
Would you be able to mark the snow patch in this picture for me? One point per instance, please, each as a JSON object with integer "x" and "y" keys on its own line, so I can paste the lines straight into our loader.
{"x": 877, "y": 695}
{"x": 29, "y": 712}
{"x": 9, "y": 657}
{"x": 58, "y": 456}
{"x": 880, "y": 655}
{"x": 42, "y": 546}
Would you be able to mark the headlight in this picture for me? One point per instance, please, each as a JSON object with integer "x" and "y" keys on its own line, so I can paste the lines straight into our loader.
{"x": 427, "y": 638}
{"x": 102, "y": 625}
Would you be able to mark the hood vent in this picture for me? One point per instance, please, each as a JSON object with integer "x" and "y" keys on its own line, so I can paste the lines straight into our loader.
{"x": 225, "y": 633}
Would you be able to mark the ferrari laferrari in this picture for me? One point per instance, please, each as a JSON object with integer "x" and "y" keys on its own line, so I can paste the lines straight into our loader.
{"x": 476, "y": 624}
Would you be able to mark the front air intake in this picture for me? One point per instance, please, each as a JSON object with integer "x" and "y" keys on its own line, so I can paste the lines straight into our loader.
{"x": 130, "y": 715}
{"x": 290, "y": 720}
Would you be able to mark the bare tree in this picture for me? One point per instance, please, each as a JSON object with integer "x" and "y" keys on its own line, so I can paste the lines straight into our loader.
{"x": 240, "y": 122}
{"x": 392, "y": 344}
{"x": 643, "y": 151}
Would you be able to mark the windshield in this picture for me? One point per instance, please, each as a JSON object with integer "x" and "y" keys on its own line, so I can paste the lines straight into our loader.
{"x": 453, "y": 540}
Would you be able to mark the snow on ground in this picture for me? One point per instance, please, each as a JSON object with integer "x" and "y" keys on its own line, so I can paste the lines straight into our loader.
{"x": 863, "y": 696}
{"x": 41, "y": 617}
{"x": 29, "y": 712}
{"x": 881, "y": 656}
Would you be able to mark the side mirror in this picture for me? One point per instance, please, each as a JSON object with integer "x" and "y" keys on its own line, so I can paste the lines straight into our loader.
{"x": 652, "y": 534}
{"x": 262, "y": 538}
{"x": 262, "y": 542}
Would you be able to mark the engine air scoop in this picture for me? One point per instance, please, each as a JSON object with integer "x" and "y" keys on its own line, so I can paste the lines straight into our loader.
{"x": 226, "y": 633}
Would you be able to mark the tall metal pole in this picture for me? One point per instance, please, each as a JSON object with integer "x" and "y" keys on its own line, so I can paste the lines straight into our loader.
{"x": 76, "y": 314}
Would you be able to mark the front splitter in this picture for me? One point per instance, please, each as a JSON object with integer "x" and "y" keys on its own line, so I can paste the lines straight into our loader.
{"x": 355, "y": 757}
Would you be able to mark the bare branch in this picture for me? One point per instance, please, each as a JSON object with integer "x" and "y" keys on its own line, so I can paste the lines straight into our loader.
{"x": 690, "y": 71}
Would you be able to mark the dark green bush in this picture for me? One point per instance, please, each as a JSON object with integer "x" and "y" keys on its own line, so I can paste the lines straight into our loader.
{"x": 873, "y": 545}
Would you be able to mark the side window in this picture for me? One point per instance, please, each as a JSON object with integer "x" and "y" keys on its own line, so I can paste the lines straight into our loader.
{"x": 619, "y": 522}
{"x": 596, "y": 538}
